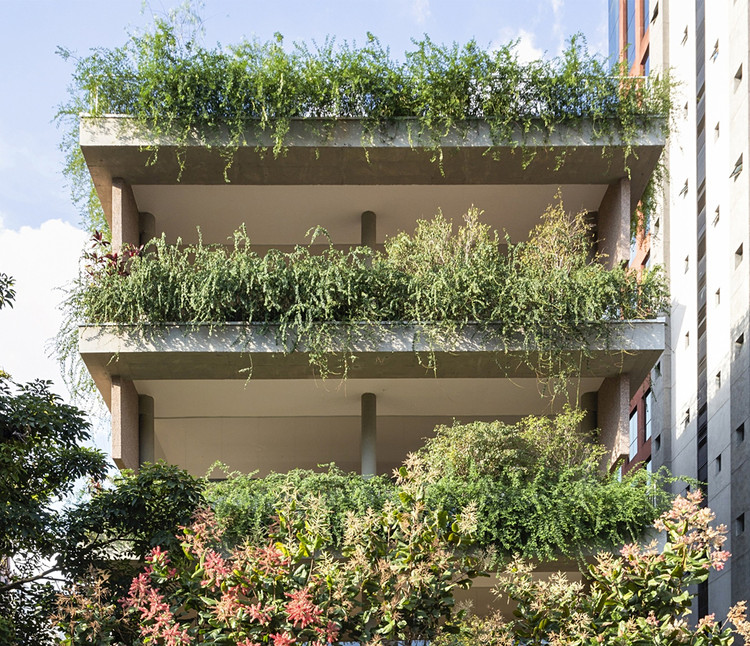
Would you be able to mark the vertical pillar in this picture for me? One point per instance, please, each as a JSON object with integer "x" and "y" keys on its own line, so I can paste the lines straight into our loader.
{"x": 369, "y": 229}
{"x": 145, "y": 429}
{"x": 146, "y": 228}
{"x": 588, "y": 405}
{"x": 125, "y": 220}
{"x": 369, "y": 232}
{"x": 613, "y": 409}
{"x": 124, "y": 407}
{"x": 368, "y": 438}
{"x": 613, "y": 229}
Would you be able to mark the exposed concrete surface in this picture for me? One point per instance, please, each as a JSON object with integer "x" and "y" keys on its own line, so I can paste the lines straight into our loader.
{"x": 124, "y": 423}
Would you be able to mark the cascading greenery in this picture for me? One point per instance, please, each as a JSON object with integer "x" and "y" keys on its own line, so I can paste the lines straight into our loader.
{"x": 538, "y": 487}
{"x": 548, "y": 295}
{"x": 172, "y": 85}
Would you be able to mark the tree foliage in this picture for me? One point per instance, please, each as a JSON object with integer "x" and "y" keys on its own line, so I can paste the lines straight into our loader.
{"x": 641, "y": 597}
{"x": 41, "y": 461}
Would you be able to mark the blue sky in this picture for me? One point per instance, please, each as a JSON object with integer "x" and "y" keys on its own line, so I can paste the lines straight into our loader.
{"x": 40, "y": 241}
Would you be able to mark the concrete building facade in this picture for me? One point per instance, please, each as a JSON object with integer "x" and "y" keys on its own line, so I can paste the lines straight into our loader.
{"x": 180, "y": 393}
{"x": 701, "y": 385}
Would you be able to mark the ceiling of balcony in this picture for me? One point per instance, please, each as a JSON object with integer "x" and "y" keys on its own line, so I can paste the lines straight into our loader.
{"x": 281, "y": 215}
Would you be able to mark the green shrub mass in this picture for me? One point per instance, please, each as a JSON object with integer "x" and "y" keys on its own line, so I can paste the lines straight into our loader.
{"x": 170, "y": 82}
{"x": 546, "y": 295}
{"x": 174, "y": 86}
{"x": 538, "y": 487}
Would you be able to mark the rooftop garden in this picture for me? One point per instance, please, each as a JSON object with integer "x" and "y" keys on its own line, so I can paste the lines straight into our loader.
{"x": 172, "y": 84}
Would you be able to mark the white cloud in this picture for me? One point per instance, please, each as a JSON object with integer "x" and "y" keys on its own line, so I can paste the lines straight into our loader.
{"x": 420, "y": 9}
{"x": 526, "y": 49}
{"x": 41, "y": 260}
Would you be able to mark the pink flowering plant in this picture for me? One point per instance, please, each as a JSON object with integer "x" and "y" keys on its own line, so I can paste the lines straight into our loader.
{"x": 280, "y": 593}
{"x": 639, "y": 597}
{"x": 393, "y": 579}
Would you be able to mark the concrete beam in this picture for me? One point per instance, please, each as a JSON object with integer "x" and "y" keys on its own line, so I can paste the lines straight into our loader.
{"x": 125, "y": 223}
{"x": 613, "y": 228}
{"x": 613, "y": 407}
{"x": 384, "y": 351}
{"x": 368, "y": 438}
{"x": 124, "y": 408}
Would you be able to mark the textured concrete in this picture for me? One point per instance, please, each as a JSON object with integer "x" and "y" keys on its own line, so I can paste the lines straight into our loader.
{"x": 612, "y": 416}
{"x": 383, "y": 352}
{"x": 113, "y": 147}
{"x": 124, "y": 406}
{"x": 125, "y": 220}
{"x": 613, "y": 226}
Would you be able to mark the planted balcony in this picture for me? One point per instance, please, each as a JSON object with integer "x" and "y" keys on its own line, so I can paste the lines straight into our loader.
{"x": 442, "y": 290}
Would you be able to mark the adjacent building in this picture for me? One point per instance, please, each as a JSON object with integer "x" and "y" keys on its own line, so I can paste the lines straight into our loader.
{"x": 699, "y": 409}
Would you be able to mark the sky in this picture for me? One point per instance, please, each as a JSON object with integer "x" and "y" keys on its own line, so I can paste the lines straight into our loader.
{"x": 40, "y": 236}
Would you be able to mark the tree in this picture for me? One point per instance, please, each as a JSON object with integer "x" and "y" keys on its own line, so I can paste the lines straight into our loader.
{"x": 41, "y": 461}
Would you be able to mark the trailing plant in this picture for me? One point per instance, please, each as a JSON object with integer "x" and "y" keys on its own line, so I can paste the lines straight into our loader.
{"x": 174, "y": 86}
{"x": 539, "y": 485}
{"x": 245, "y": 505}
{"x": 547, "y": 297}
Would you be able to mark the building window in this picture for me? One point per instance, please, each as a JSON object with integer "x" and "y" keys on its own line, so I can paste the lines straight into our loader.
{"x": 718, "y": 463}
{"x": 687, "y": 264}
{"x": 633, "y": 431}
{"x": 715, "y": 53}
{"x": 717, "y": 297}
{"x": 739, "y": 433}
{"x": 737, "y": 168}
{"x": 738, "y": 256}
{"x": 718, "y": 380}
{"x": 657, "y": 442}
{"x": 739, "y": 525}
{"x": 685, "y": 35}
{"x": 684, "y": 189}
{"x": 687, "y": 339}
{"x": 739, "y": 342}
{"x": 716, "y": 212}
{"x": 648, "y": 407}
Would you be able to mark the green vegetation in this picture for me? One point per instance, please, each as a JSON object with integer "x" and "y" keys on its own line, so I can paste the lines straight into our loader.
{"x": 538, "y": 487}
{"x": 547, "y": 295}
{"x": 172, "y": 85}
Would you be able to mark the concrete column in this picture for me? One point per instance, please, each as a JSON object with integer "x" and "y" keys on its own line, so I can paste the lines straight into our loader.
{"x": 369, "y": 229}
{"x": 146, "y": 228}
{"x": 124, "y": 407}
{"x": 613, "y": 229}
{"x": 145, "y": 429}
{"x": 588, "y": 404}
{"x": 368, "y": 438}
{"x": 125, "y": 220}
{"x": 613, "y": 408}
